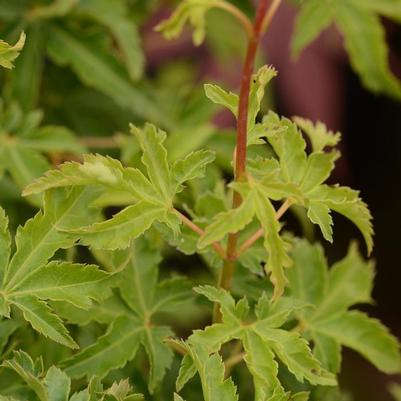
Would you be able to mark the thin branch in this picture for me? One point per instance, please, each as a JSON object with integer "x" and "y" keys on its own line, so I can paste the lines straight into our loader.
{"x": 238, "y": 14}
{"x": 190, "y": 224}
{"x": 243, "y": 106}
{"x": 258, "y": 234}
{"x": 270, "y": 14}
{"x": 227, "y": 272}
{"x": 100, "y": 142}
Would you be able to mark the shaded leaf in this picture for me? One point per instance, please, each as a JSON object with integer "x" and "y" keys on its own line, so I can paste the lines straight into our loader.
{"x": 65, "y": 48}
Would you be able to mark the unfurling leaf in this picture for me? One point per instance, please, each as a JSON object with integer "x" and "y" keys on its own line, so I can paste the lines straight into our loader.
{"x": 231, "y": 101}
{"x": 9, "y": 53}
{"x": 193, "y": 11}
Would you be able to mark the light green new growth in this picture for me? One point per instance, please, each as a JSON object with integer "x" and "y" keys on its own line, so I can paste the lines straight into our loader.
{"x": 9, "y": 53}
{"x": 263, "y": 342}
{"x": 55, "y": 385}
{"x": 193, "y": 11}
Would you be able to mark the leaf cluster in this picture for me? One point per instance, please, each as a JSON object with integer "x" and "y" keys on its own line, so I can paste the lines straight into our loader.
{"x": 111, "y": 281}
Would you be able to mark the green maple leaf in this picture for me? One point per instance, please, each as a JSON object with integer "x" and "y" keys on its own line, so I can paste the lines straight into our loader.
{"x": 263, "y": 340}
{"x": 115, "y": 16}
{"x": 29, "y": 279}
{"x": 132, "y": 319}
{"x": 364, "y": 36}
{"x": 152, "y": 193}
{"x": 330, "y": 324}
{"x": 25, "y": 145}
{"x": 55, "y": 385}
{"x": 300, "y": 177}
{"x": 9, "y": 53}
{"x": 255, "y": 204}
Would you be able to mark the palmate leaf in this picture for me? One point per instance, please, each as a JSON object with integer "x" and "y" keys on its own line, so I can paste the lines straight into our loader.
{"x": 39, "y": 239}
{"x": 143, "y": 297}
{"x": 299, "y": 178}
{"x": 24, "y": 141}
{"x": 263, "y": 341}
{"x": 29, "y": 280}
{"x": 332, "y": 293}
{"x": 55, "y": 385}
{"x": 97, "y": 170}
{"x": 64, "y": 281}
{"x": 319, "y": 136}
{"x": 255, "y": 204}
{"x": 153, "y": 193}
{"x": 347, "y": 202}
{"x": 115, "y": 17}
{"x": 101, "y": 72}
{"x": 119, "y": 345}
{"x": 9, "y": 53}
{"x": 364, "y": 37}
{"x": 349, "y": 328}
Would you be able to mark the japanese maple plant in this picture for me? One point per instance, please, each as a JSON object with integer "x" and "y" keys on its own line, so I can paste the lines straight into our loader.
{"x": 267, "y": 310}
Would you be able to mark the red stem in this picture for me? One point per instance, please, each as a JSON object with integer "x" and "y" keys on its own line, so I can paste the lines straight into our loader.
{"x": 242, "y": 125}
{"x": 262, "y": 20}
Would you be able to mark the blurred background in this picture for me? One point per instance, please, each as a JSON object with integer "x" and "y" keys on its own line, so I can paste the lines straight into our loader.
{"x": 80, "y": 71}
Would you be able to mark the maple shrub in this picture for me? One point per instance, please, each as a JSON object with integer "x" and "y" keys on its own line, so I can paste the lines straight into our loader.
{"x": 257, "y": 312}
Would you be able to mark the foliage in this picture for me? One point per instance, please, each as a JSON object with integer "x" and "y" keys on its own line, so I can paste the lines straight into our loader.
{"x": 55, "y": 385}
{"x": 9, "y": 53}
{"x": 110, "y": 281}
{"x": 364, "y": 36}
